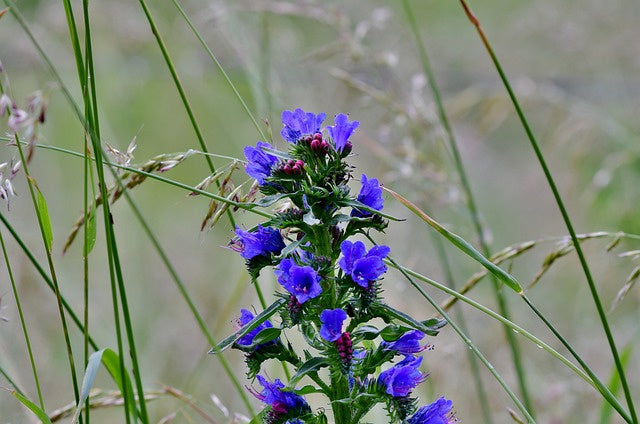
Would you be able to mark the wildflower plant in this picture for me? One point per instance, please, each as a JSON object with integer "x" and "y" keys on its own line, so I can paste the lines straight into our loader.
{"x": 331, "y": 287}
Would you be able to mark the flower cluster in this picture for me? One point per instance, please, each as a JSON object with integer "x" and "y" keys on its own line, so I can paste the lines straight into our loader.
{"x": 331, "y": 285}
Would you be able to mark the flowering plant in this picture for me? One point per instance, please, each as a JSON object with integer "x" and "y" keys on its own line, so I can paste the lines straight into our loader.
{"x": 331, "y": 286}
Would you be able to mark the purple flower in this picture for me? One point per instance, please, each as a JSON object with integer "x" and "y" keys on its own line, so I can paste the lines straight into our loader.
{"x": 300, "y": 123}
{"x": 260, "y": 162}
{"x": 301, "y": 281}
{"x": 407, "y": 344}
{"x": 403, "y": 377}
{"x": 245, "y": 317}
{"x": 370, "y": 195}
{"x": 363, "y": 267}
{"x": 436, "y": 413}
{"x": 332, "y": 320}
{"x": 263, "y": 241}
{"x": 281, "y": 402}
{"x": 342, "y": 130}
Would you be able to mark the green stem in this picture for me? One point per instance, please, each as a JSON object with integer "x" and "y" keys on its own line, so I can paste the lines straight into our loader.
{"x": 471, "y": 204}
{"x": 22, "y": 323}
{"x": 52, "y": 271}
{"x": 591, "y": 379}
{"x": 464, "y": 338}
{"x": 220, "y": 68}
{"x": 181, "y": 92}
{"x": 473, "y": 361}
{"x": 45, "y": 277}
{"x": 565, "y": 216}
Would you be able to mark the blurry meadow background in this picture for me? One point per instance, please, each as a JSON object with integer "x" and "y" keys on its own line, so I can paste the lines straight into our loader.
{"x": 573, "y": 65}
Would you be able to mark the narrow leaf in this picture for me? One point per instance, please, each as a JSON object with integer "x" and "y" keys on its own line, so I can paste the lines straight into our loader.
{"x": 43, "y": 212}
{"x": 614, "y": 385}
{"x": 256, "y": 321}
{"x": 312, "y": 365}
{"x": 359, "y": 205}
{"x": 266, "y": 335}
{"x": 461, "y": 244}
{"x": 111, "y": 361}
{"x": 386, "y": 310}
{"x": 87, "y": 382}
{"x": 91, "y": 232}
{"x": 32, "y": 406}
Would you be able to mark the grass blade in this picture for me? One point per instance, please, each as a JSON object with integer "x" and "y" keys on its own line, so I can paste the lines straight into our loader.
{"x": 461, "y": 244}
{"x": 87, "y": 382}
{"x": 32, "y": 406}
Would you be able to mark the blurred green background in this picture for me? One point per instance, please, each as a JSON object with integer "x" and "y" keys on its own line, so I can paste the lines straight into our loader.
{"x": 574, "y": 66}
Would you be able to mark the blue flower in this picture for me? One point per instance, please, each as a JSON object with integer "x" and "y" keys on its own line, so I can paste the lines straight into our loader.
{"x": 436, "y": 413}
{"x": 403, "y": 377}
{"x": 281, "y": 402}
{"x": 263, "y": 241}
{"x": 332, "y": 320}
{"x": 342, "y": 130}
{"x": 370, "y": 195}
{"x": 245, "y": 317}
{"x": 260, "y": 162}
{"x": 407, "y": 344}
{"x": 363, "y": 267}
{"x": 300, "y": 123}
{"x": 301, "y": 281}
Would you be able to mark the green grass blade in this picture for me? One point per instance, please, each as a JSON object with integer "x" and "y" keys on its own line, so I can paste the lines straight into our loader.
{"x": 471, "y": 204}
{"x": 565, "y": 215}
{"x": 614, "y": 386}
{"x": 461, "y": 244}
{"x": 23, "y": 325}
{"x": 43, "y": 211}
{"x": 32, "y": 406}
{"x": 87, "y": 381}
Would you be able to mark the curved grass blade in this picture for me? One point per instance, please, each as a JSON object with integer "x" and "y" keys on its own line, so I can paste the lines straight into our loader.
{"x": 461, "y": 244}
{"x": 32, "y": 406}
{"x": 87, "y": 382}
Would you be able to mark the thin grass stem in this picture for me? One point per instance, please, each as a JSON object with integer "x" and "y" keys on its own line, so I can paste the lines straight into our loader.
{"x": 181, "y": 92}
{"x": 45, "y": 277}
{"x": 464, "y": 338}
{"x": 565, "y": 216}
{"x": 16, "y": 295}
{"x": 10, "y": 380}
{"x": 503, "y": 307}
{"x": 592, "y": 379}
{"x": 220, "y": 68}
{"x": 52, "y": 271}
{"x": 475, "y": 369}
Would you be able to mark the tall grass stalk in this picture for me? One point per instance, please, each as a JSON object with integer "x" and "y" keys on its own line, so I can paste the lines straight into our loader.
{"x": 473, "y": 361}
{"x": 114, "y": 265}
{"x": 471, "y": 205}
{"x": 46, "y": 242}
{"x": 45, "y": 277}
{"x": 565, "y": 216}
{"x": 588, "y": 377}
{"x": 25, "y": 332}
{"x": 464, "y": 338}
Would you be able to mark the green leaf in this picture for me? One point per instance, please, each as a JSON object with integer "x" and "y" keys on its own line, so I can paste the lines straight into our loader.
{"x": 308, "y": 389}
{"x": 461, "y": 244}
{"x": 359, "y": 205}
{"x": 393, "y": 332}
{"x": 292, "y": 246}
{"x": 90, "y": 228}
{"x": 312, "y": 365}
{"x": 366, "y": 332}
{"x": 89, "y": 375}
{"x": 111, "y": 361}
{"x": 614, "y": 385}
{"x": 266, "y": 335}
{"x": 271, "y": 199}
{"x": 32, "y": 406}
{"x": 256, "y": 321}
{"x": 388, "y": 311}
{"x": 43, "y": 214}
